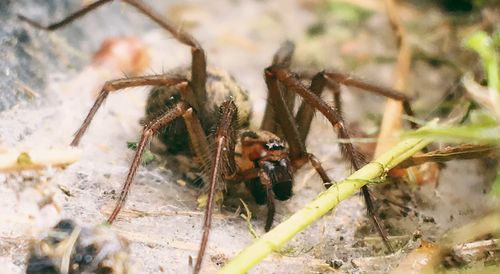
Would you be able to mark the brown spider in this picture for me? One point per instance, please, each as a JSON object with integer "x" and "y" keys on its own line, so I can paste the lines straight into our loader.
{"x": 198, "y": 99}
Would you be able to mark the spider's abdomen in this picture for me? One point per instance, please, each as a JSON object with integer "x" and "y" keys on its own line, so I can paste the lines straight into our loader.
{"x": 220, "y": 86}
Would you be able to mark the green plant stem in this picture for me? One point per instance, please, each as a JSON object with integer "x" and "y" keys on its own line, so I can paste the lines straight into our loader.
{"x": 325, "y": 202}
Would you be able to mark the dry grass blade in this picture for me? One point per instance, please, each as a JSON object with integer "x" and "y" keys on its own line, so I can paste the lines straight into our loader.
{"x": 466, "y": 151}
{"x": 393, "y": 111}
{"x": 16, "y": 160}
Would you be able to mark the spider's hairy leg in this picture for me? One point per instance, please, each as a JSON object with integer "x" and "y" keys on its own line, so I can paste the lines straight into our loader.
{"x": 199, "y": 64}
{"x": 223, "y": 165}
{"x": 298, "y": 153}
{"x": 303, "y": 122}
{"x": 334, "y": 117}
{"x": 114, "y": 85}
{"x": 67, "y": 20}
{"x": 177, "y": 111}
{"x": 282, "y": 57}
{"x": 285, "y": 119}
{"x": 305, "y": 113}
{"x": 271, "y": 208}
{"x": 332, "y": 80}
{"x": 349, "y": 80}
{"x": 197, "y": 136}
{"x": 316, "y": 163}
{"x": 333, "y": 86}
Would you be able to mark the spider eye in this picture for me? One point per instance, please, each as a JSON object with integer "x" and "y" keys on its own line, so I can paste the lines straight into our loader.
{"x": 274, "y": 144}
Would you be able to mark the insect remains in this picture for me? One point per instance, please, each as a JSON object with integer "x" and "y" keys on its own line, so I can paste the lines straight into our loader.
{"x": 197, "y": 99}
{"x": 69, "y": 248}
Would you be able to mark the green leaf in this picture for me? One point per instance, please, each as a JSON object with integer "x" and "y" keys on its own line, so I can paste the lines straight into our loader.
{"x": 485, "y": 46}
{"x": 481, "y": 43}
{"x": 481, "y": 117}
{"x": 147, "y": 156}
{"x": 478, "y": 134}
{"x": 316, "y": 29}
{"x": 132, "y": 145}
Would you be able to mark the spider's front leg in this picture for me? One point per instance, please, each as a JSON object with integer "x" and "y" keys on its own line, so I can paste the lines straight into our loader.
{"x": 282, "y": 100}
{"x": 198, "y": 65}
{"x": 336, "y": 77}
{"x": 196, "y": 95}
{"x": 223, "y": 166}
{"x": 282, "y": 57}
{"x": 115, "y": 85}
{"x": 292, "y": 130}
{"x": 332, "y": 80}
{"x": 148, "y": 131}
{"x": 181, "y": 108}
{"x": 278, "y": 73}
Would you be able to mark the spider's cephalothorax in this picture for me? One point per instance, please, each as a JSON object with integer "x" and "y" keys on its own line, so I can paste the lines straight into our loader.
{"x": 259, "y": 158}
{"x": 263, "y": 150}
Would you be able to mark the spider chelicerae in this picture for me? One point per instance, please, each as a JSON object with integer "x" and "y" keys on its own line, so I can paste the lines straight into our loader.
{"x": 195, "y": 100}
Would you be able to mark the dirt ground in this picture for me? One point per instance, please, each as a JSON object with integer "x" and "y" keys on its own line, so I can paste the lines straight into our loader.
{"x": 49, "y": 83}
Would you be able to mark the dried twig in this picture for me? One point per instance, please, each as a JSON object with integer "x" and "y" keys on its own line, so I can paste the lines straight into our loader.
{"x": 393, "y": 111}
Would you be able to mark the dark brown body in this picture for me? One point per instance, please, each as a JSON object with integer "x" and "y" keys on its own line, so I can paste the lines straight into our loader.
{"x": 220, "y": 86}
{"x": 250, "y": 149}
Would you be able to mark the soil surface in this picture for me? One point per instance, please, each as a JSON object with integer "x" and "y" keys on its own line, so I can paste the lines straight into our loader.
{"x": 48, "y": 84}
